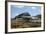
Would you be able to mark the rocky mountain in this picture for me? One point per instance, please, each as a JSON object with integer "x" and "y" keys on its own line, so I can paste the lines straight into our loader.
{"x": 23, "y": 14}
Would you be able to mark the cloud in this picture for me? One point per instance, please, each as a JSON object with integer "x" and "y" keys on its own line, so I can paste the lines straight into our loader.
{"x": 17, "y": 14}
{"x": 33, "y": 7}
{"x": 19, "y": 6}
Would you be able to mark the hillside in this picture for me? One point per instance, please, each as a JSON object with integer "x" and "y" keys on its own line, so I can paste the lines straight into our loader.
{"x": 24, "y": 22}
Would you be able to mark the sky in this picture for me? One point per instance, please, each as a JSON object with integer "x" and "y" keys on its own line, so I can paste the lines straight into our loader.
{"x": 18, "y": 9}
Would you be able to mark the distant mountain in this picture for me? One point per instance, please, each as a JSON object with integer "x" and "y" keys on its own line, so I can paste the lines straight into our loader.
{"x": 39, "y": 16}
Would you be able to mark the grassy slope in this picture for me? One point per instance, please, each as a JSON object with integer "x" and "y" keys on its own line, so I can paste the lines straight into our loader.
{"x": 23, "y": 24}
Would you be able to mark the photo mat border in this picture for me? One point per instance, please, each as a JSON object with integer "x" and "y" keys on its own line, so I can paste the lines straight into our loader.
{"x": 6, "y": 16}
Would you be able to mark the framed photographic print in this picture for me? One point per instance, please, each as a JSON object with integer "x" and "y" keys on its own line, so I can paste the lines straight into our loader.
{"x": 22, "y": 16}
